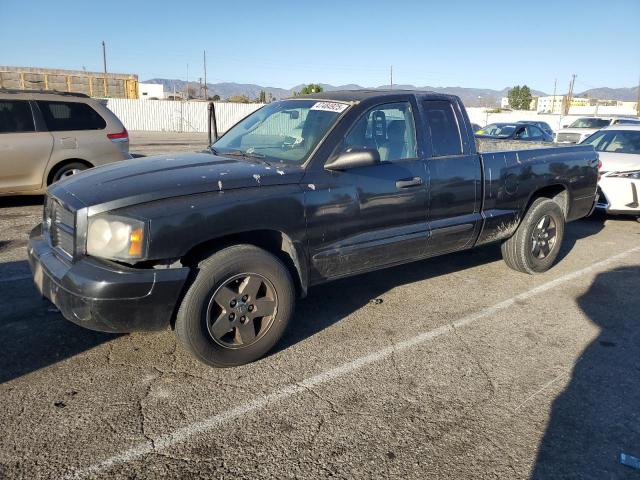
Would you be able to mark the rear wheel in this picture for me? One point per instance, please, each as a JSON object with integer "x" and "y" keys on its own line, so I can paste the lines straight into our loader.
{"x": 67, "y": 170}
{"x": 536, "y": 243}
{"x": 237, "y": 308}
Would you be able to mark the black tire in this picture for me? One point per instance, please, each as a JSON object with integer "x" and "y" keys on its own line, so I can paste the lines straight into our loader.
{"x": 197, "y": 322}
{"x": 66, "y": 170}
{"x": 523, "y": 250}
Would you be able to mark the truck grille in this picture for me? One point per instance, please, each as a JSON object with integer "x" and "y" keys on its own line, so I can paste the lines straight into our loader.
{"x": 568, "y": 137}
{"x": 60, "y": 224}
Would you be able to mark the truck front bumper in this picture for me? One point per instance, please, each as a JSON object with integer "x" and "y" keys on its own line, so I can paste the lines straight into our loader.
{"x": 105, "y": 296}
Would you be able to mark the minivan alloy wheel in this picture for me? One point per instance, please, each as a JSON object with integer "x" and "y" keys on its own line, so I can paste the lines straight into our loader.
{"x": 69, "y": 173}
{"x": 241, "y": 310}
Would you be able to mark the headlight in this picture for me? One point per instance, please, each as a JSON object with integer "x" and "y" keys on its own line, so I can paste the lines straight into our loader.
{"x": 635, "y": 174}
{"x": 117, "y": 238}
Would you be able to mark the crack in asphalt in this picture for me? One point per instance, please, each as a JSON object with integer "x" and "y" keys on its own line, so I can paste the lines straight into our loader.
{"x": 475, "y": 359}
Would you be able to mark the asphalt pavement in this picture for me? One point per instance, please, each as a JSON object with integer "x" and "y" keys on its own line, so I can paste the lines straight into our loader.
{"x": 454, "y": 367}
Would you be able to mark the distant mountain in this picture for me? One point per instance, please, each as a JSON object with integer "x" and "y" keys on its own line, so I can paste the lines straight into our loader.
{"x": 471, "y": 97}
{"x": 225, "y": 90}
{"x": 622, "y": 94}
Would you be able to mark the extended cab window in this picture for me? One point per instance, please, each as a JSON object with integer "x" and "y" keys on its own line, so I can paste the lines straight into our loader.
{"x": 63, "y": 116}
{"x": 443, "y": 128}
{"x": 388, "y": 128}
{"x": 15, "y": 116}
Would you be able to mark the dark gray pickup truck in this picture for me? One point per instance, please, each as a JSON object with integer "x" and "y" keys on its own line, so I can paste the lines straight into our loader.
{"x": 218, "y": 244}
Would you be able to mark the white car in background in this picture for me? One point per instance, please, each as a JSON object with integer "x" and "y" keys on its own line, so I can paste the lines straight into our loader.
{"x": 584, "y": 127}
{"x": 619, "y": 150}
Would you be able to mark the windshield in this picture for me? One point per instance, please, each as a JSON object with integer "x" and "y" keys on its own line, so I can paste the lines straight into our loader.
{"x": 590, "y": 123}
{"x": 497, "y": 130}
{"x": 285, "y": 131}
{"x": 621, "y": 141}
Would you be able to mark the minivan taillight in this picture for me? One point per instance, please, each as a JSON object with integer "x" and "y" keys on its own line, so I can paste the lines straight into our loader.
{"x": 123, "y": 136}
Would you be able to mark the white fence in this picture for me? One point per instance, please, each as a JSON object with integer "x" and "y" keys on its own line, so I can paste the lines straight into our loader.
{"x": 176, "y": 116}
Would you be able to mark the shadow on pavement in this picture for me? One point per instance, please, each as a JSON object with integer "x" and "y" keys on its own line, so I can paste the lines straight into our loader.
{"x": 21, "y": 201}
{"x": 598, "y": 416}
{"x": 348, "y": 295}
{"x": 33, "y": 335}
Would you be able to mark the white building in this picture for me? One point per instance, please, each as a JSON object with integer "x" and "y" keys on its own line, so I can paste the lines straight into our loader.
{"x": 550, "y": 104}
{"x": 150, "y": 90}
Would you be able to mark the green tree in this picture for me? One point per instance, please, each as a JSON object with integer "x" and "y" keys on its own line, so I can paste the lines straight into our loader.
{"x": 311, "y": 88}
{"x": 525, "y": 98}
{"x": 215, "y": 98}
{"x": 520, "y": 97}
{"x": 262, "y": 97}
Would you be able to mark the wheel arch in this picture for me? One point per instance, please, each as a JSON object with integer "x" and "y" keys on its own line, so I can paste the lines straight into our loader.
{"x": 275, "y": 242}
{"x": 558, "y": 192}
{"x": 58, "y": 165}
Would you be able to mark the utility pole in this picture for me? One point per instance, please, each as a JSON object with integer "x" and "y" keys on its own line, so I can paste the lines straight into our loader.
{"x": 638, "y": 99}
{"x": 104, "y": 63}
{"x": 391, "y": 77}
{"x": 206, "y": 92}
{"x": 570, "y": 94}
{"x": 187, "y": 96}
{"x": 104, "y": 57}
{"x": 553, "y": 102}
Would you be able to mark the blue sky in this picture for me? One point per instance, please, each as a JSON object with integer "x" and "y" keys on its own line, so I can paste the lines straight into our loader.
{"x": 484, "y": 44}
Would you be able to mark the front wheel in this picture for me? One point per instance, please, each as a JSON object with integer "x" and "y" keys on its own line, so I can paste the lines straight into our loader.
{"x": 237, "y": 308}
{"x": 536, "y": 243}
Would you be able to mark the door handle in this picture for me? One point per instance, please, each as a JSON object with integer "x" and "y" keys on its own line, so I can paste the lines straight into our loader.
{"x": 409, "y": 182}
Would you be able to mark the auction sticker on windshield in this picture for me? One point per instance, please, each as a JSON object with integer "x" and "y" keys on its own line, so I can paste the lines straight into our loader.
{"x": 330, "y": 106}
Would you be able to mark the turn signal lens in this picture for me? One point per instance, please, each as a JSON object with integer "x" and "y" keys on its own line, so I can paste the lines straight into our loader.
{"x": 135, "y": 242}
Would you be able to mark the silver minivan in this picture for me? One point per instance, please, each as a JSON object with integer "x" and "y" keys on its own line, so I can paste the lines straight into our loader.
{"x": 46, "y": 136}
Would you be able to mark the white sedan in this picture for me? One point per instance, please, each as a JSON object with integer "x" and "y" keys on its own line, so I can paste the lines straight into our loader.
{"x": 619, "y": 186}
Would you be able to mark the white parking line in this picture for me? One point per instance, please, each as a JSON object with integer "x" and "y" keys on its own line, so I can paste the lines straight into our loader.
{"x": 208, "y": 424}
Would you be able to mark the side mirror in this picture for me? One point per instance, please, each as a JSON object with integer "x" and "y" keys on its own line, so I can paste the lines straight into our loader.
{"x": 354, "y": 157}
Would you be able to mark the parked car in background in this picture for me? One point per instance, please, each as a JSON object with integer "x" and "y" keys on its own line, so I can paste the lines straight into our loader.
{"x": 523, "y": 131}
{"x": 583, "y": 127}
{"x": 47, "y": 136}
{"x": 544, "y": 126}
{"x": 218, "y": 244}
{"x": 475, "y": 127}
{"x": 619, "y": 186}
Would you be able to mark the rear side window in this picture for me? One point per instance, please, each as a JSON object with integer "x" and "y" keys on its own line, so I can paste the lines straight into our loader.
{"x": 15, "y": 116}
{"x": 62, "y": 116}
{"x": 443, "y": 128}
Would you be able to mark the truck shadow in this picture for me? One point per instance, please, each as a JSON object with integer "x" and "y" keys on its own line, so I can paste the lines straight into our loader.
{"x": 33, "y": 335}
{"x": 596, "y": 417}
{"x": 329, "y": 303}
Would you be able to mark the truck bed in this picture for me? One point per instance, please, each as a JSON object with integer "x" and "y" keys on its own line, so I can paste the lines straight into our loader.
{"x": 484, "y": 145}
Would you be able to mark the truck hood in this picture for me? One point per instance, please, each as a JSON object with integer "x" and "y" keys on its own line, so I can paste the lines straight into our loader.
{"x": 147, "y": 179}
{"x": 619, "y": 162}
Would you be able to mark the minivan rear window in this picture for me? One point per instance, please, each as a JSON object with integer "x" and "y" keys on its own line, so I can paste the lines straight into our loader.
{"x": 15, "y": 116}
{"x": 63, "y": 116}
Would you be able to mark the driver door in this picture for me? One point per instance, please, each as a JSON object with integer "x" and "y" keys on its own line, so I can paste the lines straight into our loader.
{"x": 366, "y": 217}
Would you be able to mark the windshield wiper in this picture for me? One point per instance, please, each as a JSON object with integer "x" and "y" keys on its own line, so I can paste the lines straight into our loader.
{"x": 245, "y": 154}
